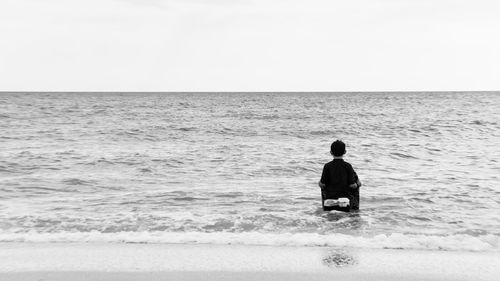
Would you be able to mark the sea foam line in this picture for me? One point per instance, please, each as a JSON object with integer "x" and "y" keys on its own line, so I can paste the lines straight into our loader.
{"x": 460, "y": 242}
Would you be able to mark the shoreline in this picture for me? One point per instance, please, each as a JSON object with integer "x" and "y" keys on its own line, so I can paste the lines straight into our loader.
{"x": 111, "y": 261}
{"x": 219, "y": 276}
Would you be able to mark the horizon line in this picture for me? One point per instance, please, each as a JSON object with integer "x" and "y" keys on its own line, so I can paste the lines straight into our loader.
{"x": 237, "y": 92}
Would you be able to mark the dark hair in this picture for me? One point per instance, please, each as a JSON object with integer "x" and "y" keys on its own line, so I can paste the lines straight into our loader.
{"x": 337, "y": 148}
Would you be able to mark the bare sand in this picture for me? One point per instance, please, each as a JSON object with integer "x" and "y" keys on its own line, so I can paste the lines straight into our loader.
{"x": 110, "y": 262}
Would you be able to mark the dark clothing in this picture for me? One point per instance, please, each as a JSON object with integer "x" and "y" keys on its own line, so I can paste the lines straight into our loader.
{"x": 337, "y": 176}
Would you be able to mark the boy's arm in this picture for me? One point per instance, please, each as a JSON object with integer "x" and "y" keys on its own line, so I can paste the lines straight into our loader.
{"x": 322, "y": 181}
{"x": 357, "y": 182}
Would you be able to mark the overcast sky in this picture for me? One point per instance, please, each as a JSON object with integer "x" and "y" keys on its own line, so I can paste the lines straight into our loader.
{"x": 249, "y": 45}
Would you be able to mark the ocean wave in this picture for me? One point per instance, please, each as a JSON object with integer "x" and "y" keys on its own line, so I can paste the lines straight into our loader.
{"x": 76, "y": 181}
{"x": 249, "y": 163}
{"x": 460, "y": 242}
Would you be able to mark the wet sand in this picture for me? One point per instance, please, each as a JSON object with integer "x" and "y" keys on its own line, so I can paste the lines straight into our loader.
{"x": 107, "y": 262}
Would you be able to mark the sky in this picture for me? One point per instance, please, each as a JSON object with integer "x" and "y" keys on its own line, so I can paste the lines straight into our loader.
{"x": 249, "y": 45}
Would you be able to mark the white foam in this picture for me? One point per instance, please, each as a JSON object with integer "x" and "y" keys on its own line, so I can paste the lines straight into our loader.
{"x": 382, "y": 241}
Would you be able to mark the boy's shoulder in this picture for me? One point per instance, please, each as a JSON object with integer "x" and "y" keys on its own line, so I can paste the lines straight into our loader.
{"x": 342, "y": 162}
{"x": 336, "y": 162}
{"x": 348, "y": 165}
{"x": 327, "y": 164}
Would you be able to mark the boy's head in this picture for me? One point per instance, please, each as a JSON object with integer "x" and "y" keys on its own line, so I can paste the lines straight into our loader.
{"x": 337, "y": 148}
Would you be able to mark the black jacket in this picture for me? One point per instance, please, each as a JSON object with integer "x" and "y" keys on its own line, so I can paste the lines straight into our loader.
{"x": 337, "y": 176}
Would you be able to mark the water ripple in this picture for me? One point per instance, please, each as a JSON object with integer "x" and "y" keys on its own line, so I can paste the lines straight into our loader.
{"x": 237, "y": 163}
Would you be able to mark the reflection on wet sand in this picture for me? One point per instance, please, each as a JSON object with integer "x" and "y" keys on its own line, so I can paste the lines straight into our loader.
{"x": 339, "y": 258}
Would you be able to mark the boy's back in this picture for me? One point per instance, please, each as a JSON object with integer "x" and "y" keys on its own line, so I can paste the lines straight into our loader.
{"x": 339, "y": 178}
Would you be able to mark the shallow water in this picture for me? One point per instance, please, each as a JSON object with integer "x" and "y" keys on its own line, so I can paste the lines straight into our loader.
{"x": 242, "y": 168}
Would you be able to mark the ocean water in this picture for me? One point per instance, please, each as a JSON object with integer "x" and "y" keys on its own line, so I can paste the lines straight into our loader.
{"x": 242, "y": 168}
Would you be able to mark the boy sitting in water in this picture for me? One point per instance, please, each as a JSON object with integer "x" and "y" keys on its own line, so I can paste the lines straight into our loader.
{"x": 339, "y": 180}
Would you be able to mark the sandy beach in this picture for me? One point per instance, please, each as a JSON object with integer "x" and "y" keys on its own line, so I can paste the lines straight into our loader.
{"x": 99, "y": 261}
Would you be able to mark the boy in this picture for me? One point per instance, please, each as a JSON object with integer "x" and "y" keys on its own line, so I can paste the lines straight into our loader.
{"x": 339, "y": 180}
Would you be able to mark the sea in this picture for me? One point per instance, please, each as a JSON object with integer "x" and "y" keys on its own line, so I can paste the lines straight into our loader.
{"x": 243, "y": 168}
